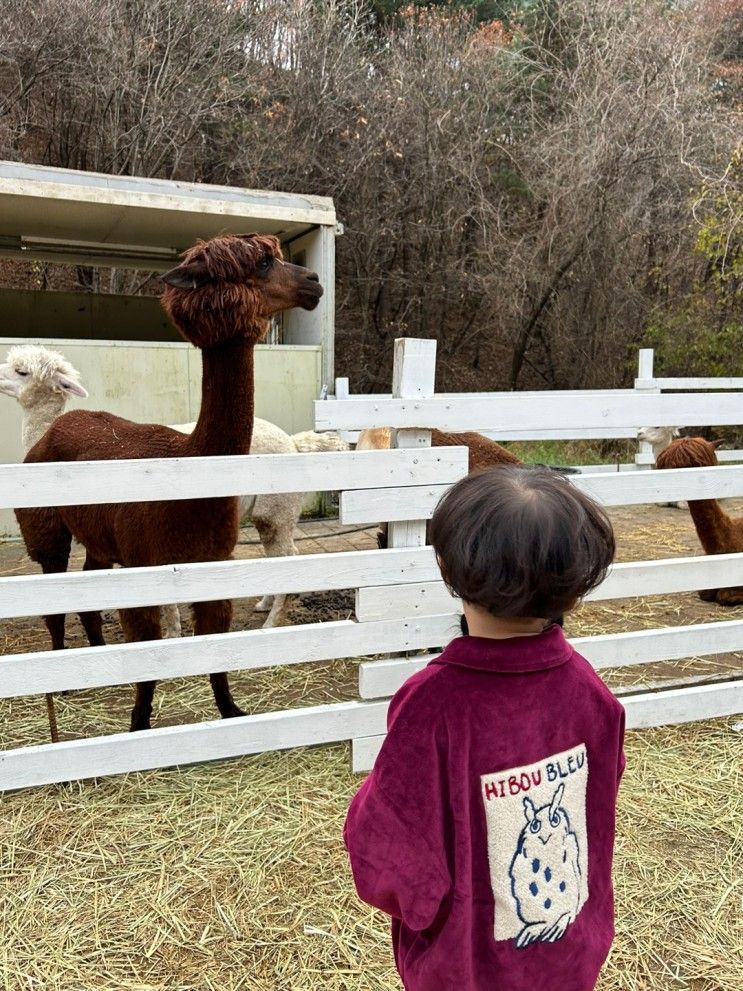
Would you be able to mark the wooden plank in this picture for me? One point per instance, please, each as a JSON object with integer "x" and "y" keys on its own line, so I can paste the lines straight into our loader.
{"x": 633, "y": 578}
{"x": 413, "y": 599}
{"x": 150, "y": 480}
{"x": 178, "y": 745}
{"x": 37, "y": 595}
{"x": 380, "y": 679}
{"x": 612, "y": 488}
{"x": 683, "y": 705}
{"x": 644, "y": 458}
{"x": 116, "y": 664}
{"x": 413, "y": 377}
{"x": 364, "y": 751}
{"x": 692, "y": 384}
{"x": 662, "y": 708}
{"x": 511, "y": 412}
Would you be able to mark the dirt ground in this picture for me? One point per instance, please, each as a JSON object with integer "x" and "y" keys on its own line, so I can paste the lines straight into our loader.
{"x": 232, "y": 875}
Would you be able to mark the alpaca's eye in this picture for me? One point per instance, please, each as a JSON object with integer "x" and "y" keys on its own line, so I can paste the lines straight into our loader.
{"x": 555, "y": 820}
{"x": 535, "y": 825}
{"x": 20, "y": 371}
{"x": 265, "y": 264}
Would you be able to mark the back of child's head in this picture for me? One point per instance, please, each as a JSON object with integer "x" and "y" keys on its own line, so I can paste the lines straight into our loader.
{"x": 520, "y": 541}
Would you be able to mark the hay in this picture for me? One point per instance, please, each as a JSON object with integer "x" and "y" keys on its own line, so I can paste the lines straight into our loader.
{"x": 233, "y": 876}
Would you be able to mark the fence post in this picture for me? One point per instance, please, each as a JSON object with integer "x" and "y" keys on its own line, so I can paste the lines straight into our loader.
{"x": 413, "y": 377}
{"x": 343, "y": 391}
{"x": 645, "y": 383}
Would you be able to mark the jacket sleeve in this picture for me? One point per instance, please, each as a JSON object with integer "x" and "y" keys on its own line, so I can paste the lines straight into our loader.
{"x": 395, "y": 832}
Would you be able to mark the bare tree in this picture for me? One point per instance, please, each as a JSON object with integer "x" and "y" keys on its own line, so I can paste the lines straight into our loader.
{"x": 520, "y": 191}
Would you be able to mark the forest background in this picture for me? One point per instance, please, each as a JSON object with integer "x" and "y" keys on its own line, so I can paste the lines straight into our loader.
{"x": 544, "y": 186}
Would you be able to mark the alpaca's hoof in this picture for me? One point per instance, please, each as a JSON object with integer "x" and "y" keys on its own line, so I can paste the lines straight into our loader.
{"x": 264, "y": 604}
{"x": 233, "y": 712}
{"x": 139, "y": 721}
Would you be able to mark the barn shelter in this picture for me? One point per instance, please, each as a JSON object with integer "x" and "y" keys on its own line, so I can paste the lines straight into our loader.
{"x": 132, "y": 361}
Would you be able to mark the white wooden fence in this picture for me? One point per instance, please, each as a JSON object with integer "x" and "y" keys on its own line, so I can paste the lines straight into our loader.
{"x": 401, "y": 604}
{"x": 511, "y": 416}
{"x": 645, "y": 383}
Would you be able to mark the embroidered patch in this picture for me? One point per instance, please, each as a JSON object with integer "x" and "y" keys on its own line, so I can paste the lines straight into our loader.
{"x": 538, "y": 846}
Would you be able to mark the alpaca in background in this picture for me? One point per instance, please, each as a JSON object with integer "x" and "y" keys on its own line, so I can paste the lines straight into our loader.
{"x": 220, "y": 298}
{"x": 659, "y": 438}
{"x": 718, "y": 533}
{"x": 41, "y": 381}
{"x": 483, "y": 453}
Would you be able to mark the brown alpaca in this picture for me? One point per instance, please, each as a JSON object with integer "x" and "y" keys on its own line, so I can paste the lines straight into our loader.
{"x": 220, "y": 298}
{"x": 718, "y": 533}
{"x": 483, "y": 453}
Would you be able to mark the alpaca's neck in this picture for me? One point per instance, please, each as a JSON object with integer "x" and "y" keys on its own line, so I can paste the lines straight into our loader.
{"x": 225, "y": 422}
{"x": 40, "y": 410}
{"x": 713, "y": 525}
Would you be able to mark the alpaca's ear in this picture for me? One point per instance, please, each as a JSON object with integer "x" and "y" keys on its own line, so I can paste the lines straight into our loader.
{"x": 189, "y": 275}
{"x": 717, "y": 443}
{"x": 70, "y": 385}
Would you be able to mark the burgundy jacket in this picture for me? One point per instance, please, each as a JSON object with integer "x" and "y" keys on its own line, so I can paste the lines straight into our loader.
{"x": 486, "y": 828}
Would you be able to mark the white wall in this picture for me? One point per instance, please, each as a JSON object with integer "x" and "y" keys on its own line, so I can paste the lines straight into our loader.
{"x": 161, "y": 383}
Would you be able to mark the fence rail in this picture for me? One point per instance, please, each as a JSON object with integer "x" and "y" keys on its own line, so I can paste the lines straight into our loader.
{"x": 168, "y": 479}
{"x": 627, "y": 580}
{"x": 610, "y": 488}
{"x": 510, "y": 412}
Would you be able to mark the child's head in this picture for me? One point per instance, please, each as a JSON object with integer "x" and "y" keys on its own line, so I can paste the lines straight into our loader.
{"x": 521, "y": 542}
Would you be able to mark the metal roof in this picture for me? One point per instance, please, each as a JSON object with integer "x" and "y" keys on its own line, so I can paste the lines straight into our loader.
{"x": 61, "y": 215}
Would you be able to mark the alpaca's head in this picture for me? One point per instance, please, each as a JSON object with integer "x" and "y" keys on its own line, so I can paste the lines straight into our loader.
{"x": 32, "y": 373}
{"x": 228, "y": 287}
{"x": 689, "y": 452}
{"x": 659, "y": 437}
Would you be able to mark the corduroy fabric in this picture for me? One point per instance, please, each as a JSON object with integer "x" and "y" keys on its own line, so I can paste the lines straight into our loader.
{"x": 417, "y": 830}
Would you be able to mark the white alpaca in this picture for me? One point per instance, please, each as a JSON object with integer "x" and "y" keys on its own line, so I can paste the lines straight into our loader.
{"x": 41, "y": 381}
{"x": 274, "y": 516}
{"x": 659, "y": 438}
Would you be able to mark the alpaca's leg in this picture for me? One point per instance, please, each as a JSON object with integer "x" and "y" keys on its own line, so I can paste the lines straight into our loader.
{"x": 50, "y": 548}
{"x": 215, "y": 617}
{"x": 49, "y": 543}
{"x": 275, "y": 518}
{"x": 138, "y": 625}
{"x": 171, "y": 621}
{"x": 92, "y": 621}
{"x": 730, "y": 596}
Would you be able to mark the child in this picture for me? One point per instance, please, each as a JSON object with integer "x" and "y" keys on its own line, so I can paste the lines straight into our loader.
{"x": 487, "y": 825}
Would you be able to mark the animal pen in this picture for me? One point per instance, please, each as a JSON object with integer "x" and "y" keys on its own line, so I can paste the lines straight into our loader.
{"x": 133, "y": 361}
{"x": 401, "y": 604}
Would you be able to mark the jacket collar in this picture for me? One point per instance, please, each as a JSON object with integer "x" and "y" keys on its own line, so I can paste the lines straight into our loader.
{"x": 515, "y": 655}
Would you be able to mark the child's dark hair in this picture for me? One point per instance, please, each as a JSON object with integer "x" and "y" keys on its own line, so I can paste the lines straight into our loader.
{"x": 520, "y": 541}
